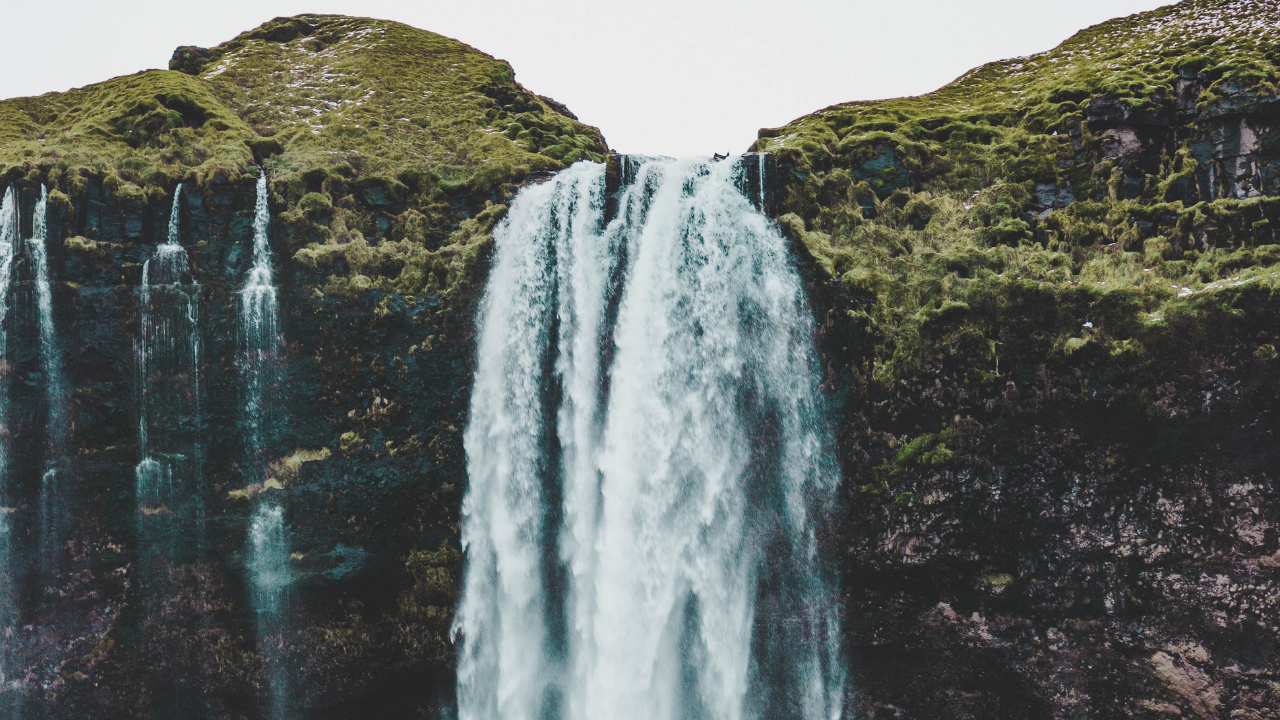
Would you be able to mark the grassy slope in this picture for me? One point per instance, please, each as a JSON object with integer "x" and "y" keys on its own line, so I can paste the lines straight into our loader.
{"x": 385, "y": 96}
{"x": 1134, "y": 57}
{"x": 919, "y": 209}
{"x": 384, "y": 129}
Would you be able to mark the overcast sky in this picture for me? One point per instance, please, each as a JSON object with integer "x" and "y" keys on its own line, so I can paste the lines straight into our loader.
{"x": 670, "y": 77}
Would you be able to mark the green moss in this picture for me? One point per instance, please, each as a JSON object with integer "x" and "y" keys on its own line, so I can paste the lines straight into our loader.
{"x": 405, "y": 266}
{"x": 435, "y": 580}
{"x": 91, "y": 250}
{"x": 129, "y": 127}
{"x": 929, "y": 214}
{"x": 914, "y": 449}
{"x": 427, "y": 607}
{"x": 384, "y": 96}
{"x": 368, "y": 129}
{"x": 350, "y": 443}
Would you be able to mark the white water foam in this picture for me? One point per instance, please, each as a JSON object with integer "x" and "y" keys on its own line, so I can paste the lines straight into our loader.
{"x": 645, "y": 455}
{"x": 53, "y": 495}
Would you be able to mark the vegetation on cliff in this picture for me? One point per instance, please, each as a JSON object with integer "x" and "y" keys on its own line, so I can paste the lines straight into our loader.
{"x": 1049, "y": 303}
{"x": 1130, "y": 165}
{"x": 367, "y": 128}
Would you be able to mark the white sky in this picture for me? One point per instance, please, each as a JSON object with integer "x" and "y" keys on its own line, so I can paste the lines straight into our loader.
{"x": 670, "y": 77}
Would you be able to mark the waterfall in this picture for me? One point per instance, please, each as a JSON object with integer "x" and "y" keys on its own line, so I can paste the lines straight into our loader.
{"x": 54, "y": 514}
{"x": 646, "y": 454}
{"x": 175, "y": 217}
{"x": 269, "y": 576}
{"x": 259, "y": 332}
{"x": 9, "y": 238}
{"x": 168, "y": 352}
{"x": 268, "y": 559}
{"x": 760, "y": 184}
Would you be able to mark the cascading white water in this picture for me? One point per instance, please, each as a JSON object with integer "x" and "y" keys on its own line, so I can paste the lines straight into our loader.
{"x": 760, "y": 163}
{"x": 53, "y": 510}
{"x": 168, "y": 354}
{"x": 49, "y": 356}
{"x": 268, "y": 562}
{"x": 259, "y": 331}
{"x": 175, "y": 218}
{"x": 9, "y": 224}
{"x": 269, "y": 575}
{"x": 9, "y": 238}
{"x": 645, "y": 454}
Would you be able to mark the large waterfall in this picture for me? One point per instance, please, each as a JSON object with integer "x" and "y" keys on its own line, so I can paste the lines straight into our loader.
{"x": 645, "y": 454}
{"x": 168, "y": 382}
{"x": 268, "y": 546}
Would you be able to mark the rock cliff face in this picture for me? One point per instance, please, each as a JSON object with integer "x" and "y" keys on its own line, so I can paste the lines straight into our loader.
{"x": 1049, "y": 317}
{"x": 1050, "y": 309}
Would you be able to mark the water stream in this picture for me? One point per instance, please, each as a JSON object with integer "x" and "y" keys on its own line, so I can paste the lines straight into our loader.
{"x": 168, "y": 354}
{"x": 54, "y": 494}
{"x": 268, "y": 545}
{"x": 269, "y": 575}
{"x": 646, "y": 453}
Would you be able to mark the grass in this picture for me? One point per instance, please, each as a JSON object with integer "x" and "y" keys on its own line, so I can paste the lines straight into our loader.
{"x": 927, "y": 214}
{"x": 919, "y": 291}
{"x": 145, "y": 129}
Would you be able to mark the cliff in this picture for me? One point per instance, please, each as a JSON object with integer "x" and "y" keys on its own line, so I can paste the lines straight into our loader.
{"x": 1050, "y": 302}
{"x": 1048, "y": 320}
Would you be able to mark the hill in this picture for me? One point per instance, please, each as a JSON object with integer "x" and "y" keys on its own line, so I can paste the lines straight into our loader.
{"x": 359, "y": 116}
{"x": 1049, "y": 301}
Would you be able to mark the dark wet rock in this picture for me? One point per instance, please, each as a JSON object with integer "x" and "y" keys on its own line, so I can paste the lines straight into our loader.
{"x": 884, "y": 172}
{"x": 189, "y": 59}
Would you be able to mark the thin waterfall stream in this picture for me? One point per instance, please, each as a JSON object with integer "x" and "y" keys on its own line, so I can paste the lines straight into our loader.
{"x": 168, "y": 386}
{"x": 259, "y": 334}
{"x": 268, "y": 566}
{"x": 9, "y": 239}
{"x": 646, "y": 454}
{"x": 268, "y": 542}
{"x": 54, "y": 495}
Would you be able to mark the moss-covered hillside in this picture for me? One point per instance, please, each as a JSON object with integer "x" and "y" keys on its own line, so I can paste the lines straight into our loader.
{"x": 367, "y": 128}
